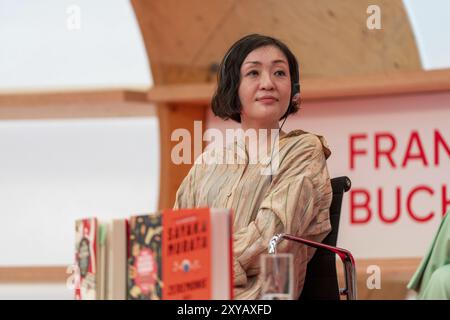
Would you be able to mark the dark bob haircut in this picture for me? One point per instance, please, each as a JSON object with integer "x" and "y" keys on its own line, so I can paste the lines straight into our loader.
{"x": 225, "y": 102}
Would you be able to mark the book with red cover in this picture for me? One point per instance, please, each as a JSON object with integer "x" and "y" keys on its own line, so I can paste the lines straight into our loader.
{"x": 181, "y": 254}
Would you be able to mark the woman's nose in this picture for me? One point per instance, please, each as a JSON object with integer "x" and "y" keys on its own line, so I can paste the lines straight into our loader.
{"x": 266, "y": 81}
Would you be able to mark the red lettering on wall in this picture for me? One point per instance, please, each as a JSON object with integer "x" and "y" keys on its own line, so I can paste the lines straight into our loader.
{"x": 387, "y": 152}
{"x": 353, "y": 150}
{"x": 439, "y": 140}
{"x": 414, "y": 138}
{"x": 363, "y": 205}
{"x": 397, "y": 205}
{"x": 409, "y": 202}
{"x": 445, "y": 200}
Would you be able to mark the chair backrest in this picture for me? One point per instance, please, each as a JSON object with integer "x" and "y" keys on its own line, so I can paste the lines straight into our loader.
{"x": 321, "y": 281}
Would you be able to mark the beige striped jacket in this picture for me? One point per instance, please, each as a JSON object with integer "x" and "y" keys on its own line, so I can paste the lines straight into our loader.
{"x": 296, "y": 201}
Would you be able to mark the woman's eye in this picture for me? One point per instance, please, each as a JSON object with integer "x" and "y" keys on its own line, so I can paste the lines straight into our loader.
{"x": 280, "y": 73}
{"x": 252, "y": 73}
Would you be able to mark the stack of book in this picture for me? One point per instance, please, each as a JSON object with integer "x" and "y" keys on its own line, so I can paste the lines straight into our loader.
{"x": 172, "y": 254}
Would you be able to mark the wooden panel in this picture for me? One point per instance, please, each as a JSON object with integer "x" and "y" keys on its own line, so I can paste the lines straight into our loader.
{"x": 184, "y": 39}
{"x": 316, "y": 89}
{"x": 377, "y": 84}
{"x": 33, "y": 274}
{"x": 83, "y": 104}
{"x": 129, "y": 103}
{"x": 198, "y": 94}
{"x": 71, "y": 97}
{"x": 171, "y": 117}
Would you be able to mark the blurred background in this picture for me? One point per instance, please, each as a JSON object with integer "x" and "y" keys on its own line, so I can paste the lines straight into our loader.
{"x": 90, "y": 92}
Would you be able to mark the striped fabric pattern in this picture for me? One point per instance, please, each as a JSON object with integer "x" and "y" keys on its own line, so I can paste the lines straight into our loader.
{"x": 296, "y": 201}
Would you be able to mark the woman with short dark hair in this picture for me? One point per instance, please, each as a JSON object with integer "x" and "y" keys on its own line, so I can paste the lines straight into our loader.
{"x": 225, "y": 102}
{"x": 288, "y": 189}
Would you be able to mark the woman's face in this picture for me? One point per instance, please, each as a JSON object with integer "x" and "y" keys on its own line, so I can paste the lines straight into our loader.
{"x": 265, "y": 87}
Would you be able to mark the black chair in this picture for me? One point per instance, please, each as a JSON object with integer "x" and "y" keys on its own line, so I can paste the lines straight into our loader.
{"x": 321, "y": 281}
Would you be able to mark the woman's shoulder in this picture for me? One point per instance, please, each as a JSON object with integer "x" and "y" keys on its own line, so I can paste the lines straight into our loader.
{"x": 304, "y": 138}
{"x": 213, "y": 154}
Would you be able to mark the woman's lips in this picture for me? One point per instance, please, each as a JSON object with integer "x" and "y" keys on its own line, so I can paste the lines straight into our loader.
{"x": 267, "y": 100}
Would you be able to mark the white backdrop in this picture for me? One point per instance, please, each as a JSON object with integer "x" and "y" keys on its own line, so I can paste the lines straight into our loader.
{"x": 53, "y": 172}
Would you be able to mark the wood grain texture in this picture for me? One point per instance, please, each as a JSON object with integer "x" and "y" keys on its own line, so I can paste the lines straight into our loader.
{"x": 185, "y": 39}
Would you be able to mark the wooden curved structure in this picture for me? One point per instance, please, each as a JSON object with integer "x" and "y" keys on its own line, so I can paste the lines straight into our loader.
{"x": 184, "y": 39}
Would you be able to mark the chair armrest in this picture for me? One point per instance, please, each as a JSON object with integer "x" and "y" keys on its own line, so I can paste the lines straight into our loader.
{"x": 345, "y": 255}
